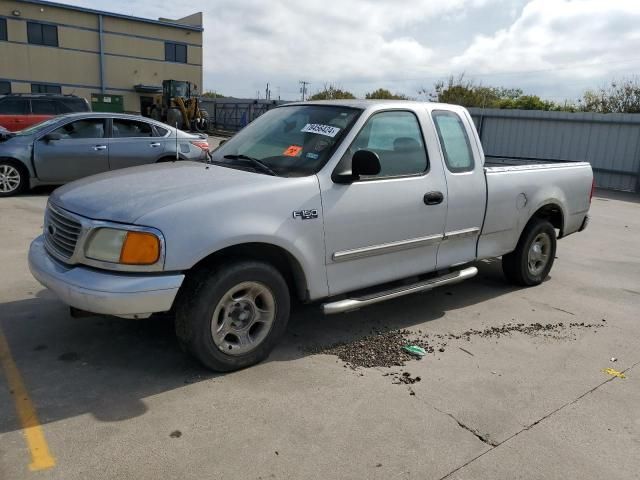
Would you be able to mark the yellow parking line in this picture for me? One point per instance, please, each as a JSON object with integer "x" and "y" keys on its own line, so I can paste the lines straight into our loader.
{"x": 41, "y": 458}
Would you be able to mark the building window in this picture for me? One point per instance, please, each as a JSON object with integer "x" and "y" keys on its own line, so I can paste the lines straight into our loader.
{"x": 42, "y": 88}
{"x": 3, "y": 29}
{"x": 175, "y": 52}
{"x": 42, "y": 34}
{"x": 5, "y": 87}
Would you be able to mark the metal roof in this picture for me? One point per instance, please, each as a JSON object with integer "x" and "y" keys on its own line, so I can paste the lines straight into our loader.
{"x": 45, "y": 3}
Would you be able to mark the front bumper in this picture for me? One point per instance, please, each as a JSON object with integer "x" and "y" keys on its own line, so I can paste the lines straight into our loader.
{"x": 99, "y": 291}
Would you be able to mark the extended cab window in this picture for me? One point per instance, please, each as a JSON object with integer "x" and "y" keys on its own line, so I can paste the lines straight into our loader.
{"x": 131, "y": 129}
{"x": 89, "y": 128}
{"x": 454, "y": 141}
{"x": 397, "y": 139}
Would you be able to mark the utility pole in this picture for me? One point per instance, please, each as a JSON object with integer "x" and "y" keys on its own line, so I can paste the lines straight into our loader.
{"x": 303, "y": 89}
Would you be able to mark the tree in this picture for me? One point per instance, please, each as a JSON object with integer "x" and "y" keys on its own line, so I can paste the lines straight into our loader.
{"x": 467, "y": 93}
{"x": 617, "y": 97}
{"x": 213, "y": 94}
{"x": 384, "y": 94}
{"x": 332, "y": 92}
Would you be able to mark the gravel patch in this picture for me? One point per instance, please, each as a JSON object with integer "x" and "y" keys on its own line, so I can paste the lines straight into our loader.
{"x": 384, "y": 348}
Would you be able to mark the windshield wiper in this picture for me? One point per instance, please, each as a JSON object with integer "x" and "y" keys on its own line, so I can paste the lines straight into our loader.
{"x": 259, "y": 165}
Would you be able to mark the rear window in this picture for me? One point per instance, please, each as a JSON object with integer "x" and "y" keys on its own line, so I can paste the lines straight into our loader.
{"x": 70, "y": 105}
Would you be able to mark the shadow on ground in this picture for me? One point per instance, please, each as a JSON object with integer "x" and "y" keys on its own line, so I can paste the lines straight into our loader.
{"x": 105, "y": 366}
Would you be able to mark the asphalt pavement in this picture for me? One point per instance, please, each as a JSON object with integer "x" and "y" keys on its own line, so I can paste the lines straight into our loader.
{"x": 108, "y": 398}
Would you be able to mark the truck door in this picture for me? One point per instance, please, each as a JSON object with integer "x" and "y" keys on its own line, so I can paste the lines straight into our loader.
{"x": 388, "y": 226}
{"x": 466, "y": 187}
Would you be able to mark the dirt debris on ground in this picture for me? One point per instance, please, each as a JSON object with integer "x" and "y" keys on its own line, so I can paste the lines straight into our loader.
{"x": 378, "y": 349}
{"x": 384, "y": 348}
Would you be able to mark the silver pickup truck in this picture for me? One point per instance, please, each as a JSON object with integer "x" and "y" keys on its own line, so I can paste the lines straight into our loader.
{"x": 344, "y": 203}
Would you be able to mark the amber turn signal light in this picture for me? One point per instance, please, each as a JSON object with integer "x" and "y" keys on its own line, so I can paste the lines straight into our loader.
{"x": 140, "y": 248}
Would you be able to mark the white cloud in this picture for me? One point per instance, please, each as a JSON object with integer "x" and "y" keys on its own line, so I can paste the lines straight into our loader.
{"x": 403, "y": 45}
{"x": 586, "y": 38}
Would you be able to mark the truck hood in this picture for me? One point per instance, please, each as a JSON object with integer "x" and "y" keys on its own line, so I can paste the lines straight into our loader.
{"x": 126, "y": 195}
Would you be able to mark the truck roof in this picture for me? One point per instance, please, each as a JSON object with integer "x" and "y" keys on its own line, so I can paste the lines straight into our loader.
{"x": 364, "y": 104}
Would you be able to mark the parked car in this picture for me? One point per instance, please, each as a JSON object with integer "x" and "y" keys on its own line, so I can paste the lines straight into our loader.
{"x": 21, "y": 110}
{"x": 346, "y": 203}
{"x": 73, "y": 146}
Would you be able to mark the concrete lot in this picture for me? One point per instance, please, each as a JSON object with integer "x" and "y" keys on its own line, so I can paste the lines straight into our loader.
{"x": 118, "y": 399}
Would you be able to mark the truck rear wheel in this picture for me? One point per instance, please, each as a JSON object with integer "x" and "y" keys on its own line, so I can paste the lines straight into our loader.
{"x": 530, "y": 263}
{"x": 232, "y": 317}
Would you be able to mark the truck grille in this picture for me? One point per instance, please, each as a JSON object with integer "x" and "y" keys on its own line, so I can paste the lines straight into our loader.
{"x": 60, "y": 233}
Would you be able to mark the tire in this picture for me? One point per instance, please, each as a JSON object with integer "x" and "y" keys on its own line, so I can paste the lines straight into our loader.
{"x": 13, "y": 178}
{"x": 202, "y": 124}
{"x": 530, "y": 263}
{"x": 232, "y": 316}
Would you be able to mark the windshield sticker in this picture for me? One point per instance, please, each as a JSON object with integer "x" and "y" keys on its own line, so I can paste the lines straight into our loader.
{"x": 292, "y": 151}
{"x": 312, "y": 155}
{"x": 320, "y": 129}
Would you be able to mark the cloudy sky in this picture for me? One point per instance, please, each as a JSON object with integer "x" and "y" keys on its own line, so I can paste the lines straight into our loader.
{"x": 553, "y": 48}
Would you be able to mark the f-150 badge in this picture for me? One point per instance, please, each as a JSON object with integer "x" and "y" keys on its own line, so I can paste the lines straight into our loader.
{"x": 305, "y": 214}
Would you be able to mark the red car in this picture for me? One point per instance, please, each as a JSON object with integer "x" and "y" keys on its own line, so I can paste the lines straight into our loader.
{"x": 19, "y": 111}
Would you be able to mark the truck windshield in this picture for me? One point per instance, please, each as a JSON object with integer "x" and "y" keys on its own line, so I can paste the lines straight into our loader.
{"x": 292, "y": 140}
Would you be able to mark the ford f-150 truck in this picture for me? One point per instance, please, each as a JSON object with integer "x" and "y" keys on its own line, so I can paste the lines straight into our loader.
{"x": 343, "y": 203}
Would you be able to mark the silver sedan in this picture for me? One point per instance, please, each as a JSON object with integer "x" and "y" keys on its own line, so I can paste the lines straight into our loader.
{"x": 73, "y": 146}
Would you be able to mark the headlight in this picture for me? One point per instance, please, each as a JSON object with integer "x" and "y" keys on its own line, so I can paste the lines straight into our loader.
{"x": 123, "y": 246}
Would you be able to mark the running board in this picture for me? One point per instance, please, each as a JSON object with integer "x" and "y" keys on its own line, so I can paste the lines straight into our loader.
{"x": 355, "y": 303}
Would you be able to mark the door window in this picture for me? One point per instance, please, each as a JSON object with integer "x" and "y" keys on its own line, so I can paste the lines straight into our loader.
{"x": 87, "y": 128}
{"x": 5, "y": 87}
{"x": 131, "y": 129}
{"x": 397, "y": 139}
{"x": 13, "y": 106}
{"x": 43, "y": 107}
{"x": 454, "y": 142}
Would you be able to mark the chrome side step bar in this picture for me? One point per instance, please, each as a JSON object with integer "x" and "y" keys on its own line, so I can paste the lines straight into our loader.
{"x": 347, "y": 304}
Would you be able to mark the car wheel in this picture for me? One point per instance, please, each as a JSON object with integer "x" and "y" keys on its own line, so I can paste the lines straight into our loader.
{"x": 232, "y": 317}
{"x": 13, "y": 178}
{"x": 530, "y": 263}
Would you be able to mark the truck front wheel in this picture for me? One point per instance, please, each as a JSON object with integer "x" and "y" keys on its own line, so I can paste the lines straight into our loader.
{"x": 233, "y": 316}
{"x": 530, "y": 263}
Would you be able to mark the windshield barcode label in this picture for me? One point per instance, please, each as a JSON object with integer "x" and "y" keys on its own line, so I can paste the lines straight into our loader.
{"x": 320, "y": 129}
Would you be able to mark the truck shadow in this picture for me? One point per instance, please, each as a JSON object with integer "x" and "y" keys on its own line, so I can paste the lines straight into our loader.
{"x": 107, "y": 366}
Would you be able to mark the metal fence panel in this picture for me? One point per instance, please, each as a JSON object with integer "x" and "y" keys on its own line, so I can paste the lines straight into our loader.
{"x": 610, "y": 142}
{"x": 233, "y": 114}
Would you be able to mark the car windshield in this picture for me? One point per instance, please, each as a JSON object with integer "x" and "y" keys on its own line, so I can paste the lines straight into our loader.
{"x": 38, "y": 126}
{"x": 291, "y": 141}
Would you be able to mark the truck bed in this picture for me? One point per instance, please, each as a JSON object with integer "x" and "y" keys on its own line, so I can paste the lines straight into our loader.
{"x": 492, "y": 163}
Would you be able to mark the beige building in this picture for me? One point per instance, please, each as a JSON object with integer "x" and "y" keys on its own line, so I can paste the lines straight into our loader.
{"x": 49, "y": 47}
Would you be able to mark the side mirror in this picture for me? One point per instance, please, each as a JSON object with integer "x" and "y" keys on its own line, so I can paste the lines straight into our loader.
{"x": 52, "y": 136}
{"x": 363, "y": 162}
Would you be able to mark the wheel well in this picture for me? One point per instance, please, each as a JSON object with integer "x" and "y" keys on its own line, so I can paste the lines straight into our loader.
{"x": 276, "y": 256}
{"x": 553, "y": 214}
{"x": 19, "y": 165}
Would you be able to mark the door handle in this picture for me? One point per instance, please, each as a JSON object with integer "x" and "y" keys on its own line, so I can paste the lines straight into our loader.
{"x": 154, "y": 144}
{"x": 433, "y": 198}
{"x": 100, "y": 147}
